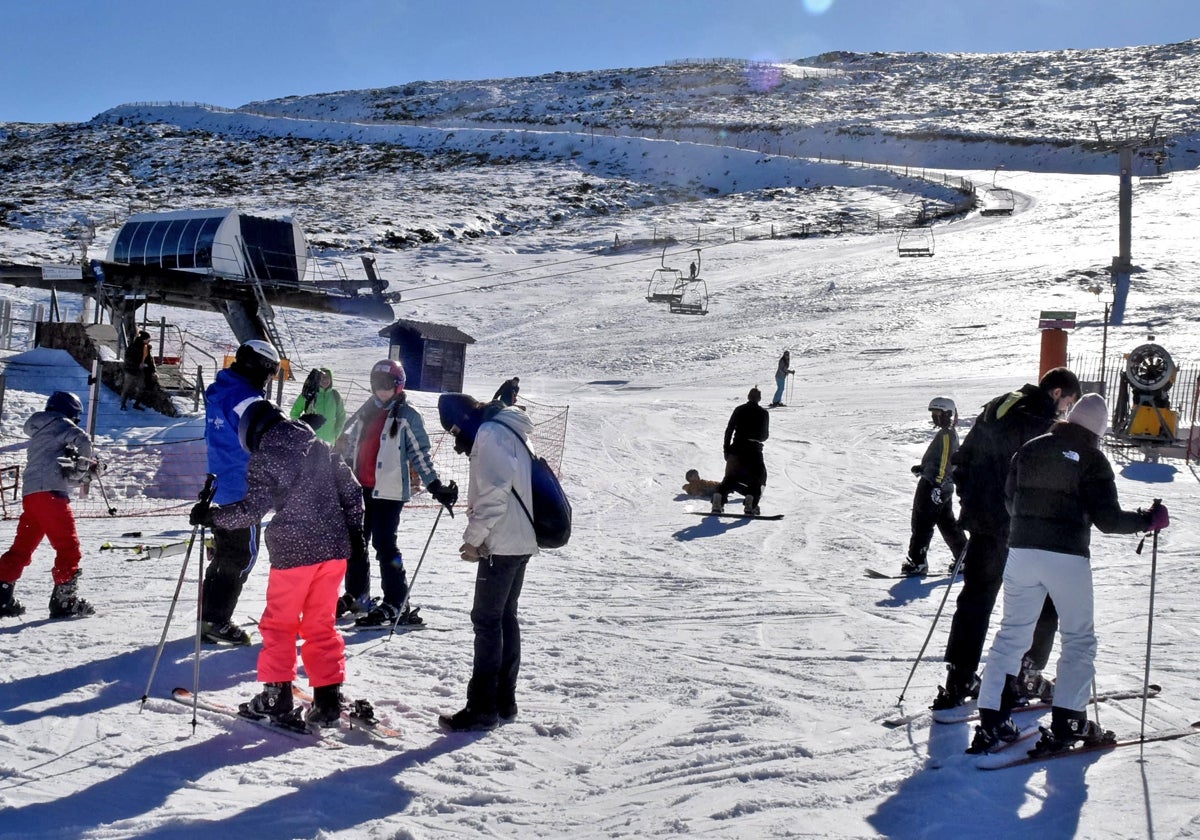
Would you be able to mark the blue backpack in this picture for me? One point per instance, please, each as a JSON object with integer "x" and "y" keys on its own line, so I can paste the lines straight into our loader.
{"x": 551, "y": 511}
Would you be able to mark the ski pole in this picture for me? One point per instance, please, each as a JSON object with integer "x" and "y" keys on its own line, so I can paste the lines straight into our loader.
{"x": 112, "y": 511}
{"x": 205, "y": 495}
{"x": 199, "y": 628}
{"x": 953, "y": 574}
{"x": 1149, "y": 625}
{"x": 416, "y": 572}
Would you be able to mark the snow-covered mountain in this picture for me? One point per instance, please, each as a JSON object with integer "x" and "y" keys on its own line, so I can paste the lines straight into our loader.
{"x": 680, "y": 675}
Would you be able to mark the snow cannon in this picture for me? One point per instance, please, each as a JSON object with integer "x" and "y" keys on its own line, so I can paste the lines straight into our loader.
{"x": 1143, "y": 410}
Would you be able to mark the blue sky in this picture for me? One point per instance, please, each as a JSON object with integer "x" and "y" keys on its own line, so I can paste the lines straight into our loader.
{"x": 71, "y": 59}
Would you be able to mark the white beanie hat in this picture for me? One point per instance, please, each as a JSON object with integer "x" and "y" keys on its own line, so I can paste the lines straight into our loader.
{"x": 1091, "y": 412}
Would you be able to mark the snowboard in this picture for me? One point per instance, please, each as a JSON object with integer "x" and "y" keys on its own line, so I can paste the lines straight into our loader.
{"x": 1020, "y": 757}
{"x": 773, "y": 516}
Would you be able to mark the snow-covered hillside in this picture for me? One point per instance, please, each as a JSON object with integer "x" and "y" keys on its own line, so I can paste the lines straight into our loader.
{"x": 680, "y": 675}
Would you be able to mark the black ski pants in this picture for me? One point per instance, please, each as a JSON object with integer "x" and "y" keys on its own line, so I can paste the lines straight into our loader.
{"x": 983, "y": 573}
{"x": 230, "y": 561}
{"x": 926, "y": 516}
{"x": 498, "y": 583}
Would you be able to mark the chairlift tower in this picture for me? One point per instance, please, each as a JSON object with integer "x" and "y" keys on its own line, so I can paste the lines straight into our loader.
{"x": 1126, "y": 136}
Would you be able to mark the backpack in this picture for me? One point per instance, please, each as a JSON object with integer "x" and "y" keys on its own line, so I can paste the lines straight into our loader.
{"x": 551, "y": 514}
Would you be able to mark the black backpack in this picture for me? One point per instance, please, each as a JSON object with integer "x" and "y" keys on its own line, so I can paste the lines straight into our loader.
{"x": 551, "y": 514}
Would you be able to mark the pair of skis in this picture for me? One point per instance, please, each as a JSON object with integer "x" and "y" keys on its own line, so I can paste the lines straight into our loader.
{"x": 359, "y": 717}
{"x": 967, "y": 712}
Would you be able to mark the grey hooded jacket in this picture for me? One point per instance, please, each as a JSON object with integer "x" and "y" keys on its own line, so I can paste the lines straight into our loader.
{"x": 50, "y": 436}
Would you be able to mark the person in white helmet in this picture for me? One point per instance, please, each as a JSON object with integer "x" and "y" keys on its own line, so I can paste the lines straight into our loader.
{"x": 933, "y": 504}
{"x": 234, "y": 550}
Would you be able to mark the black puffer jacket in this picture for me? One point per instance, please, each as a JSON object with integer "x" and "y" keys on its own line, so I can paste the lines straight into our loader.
{"x": 981, "y": 463}
{"x": 316, "y": 499}
{"x": 1058, "y": 486}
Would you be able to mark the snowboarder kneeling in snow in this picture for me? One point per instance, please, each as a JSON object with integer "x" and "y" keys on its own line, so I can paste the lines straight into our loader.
{"x": 697, "y": 486}
{"x": 317, "y": 525}
{"x": 60, "y": 459}
{"x": 1058, "y": 486}
{"x": 745, "y": 433}
{"x": 933, "y": 503}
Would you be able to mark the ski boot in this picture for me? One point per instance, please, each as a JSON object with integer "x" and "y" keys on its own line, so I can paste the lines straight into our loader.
{"x": 349, "y": 605}
{"x": 914, "y": 568}
{"x": 1068, "y": 728}
{"x": 718, "y": 503}
{"x": 226, "y": 633}
{"x": 750, "y": 506}
{"x": 992, "y": 733}
{"x": 66, "y": 603}
{"x": 380, "y": 615}
{"x": 326, "y": 708}
{"x": 957, "y": 691}
{"x": 9, "y": 606}
{"x": 1031, "y": 686}
{"x": 275, "y": 700}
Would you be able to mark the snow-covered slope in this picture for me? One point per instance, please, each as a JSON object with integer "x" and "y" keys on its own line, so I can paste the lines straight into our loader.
{"x": 680, "y": 675}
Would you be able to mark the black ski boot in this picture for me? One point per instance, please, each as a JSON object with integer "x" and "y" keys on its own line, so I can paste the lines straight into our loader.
{"x": 994, "y": 730}
{"x": 274, "y": 701}
{"x": 470, "y": 720}
{"x": 66, "y": 603}
{"x": 1068, "y": 728}
{"x": 957, "y": 690}
{"x": 326, "y": 709}
{"x": 914, "y": 568}
{"x": 224, "y": 633}
{"x": 1031, "y": 686}
{"x": 9, "y": 606}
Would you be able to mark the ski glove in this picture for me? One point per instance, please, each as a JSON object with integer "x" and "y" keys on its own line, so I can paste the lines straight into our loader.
{"x": 936, "y": 495}
{"x": 202, "y": 514}
{"x": 916, "y": 469}
{"x": 446, "y": 494}
{"x": 1157, "y": 517}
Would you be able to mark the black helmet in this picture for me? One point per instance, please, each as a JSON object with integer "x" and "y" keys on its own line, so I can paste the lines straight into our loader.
{"x": 259, "y": 418}
{"x": 66, "y": 404}
{"x": 256, "y": 360}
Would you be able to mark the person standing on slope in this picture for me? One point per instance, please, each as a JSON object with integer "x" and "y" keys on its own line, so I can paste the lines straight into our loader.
{"x": 499, "y": 539}
{"x": 234, "y": 550}
{"x": 782, "y": 371}
{"x": 980, "y": 470}
{"x": 747, "y": 430}
{"x": 382, "y": 441}
{"x": 320, "y": 397}
{"x": 1058, "y": 486}
{"x": 933, "y": 502}
{"x": 60, "y": 459}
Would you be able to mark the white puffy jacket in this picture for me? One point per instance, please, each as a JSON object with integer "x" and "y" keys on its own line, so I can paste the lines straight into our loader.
{"x": 500, "y": 464}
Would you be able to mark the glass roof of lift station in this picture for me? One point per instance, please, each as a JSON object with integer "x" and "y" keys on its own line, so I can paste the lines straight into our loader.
{"x": 182, "y": 239}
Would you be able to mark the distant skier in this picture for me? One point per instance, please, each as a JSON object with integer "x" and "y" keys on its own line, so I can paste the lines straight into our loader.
{"x": 60, "y": 459}
{"x": 747, "y": 430}
{"x": 508, "y": 390}
{"x": 782, "y": 371}
{"x": 1058, "y": 486}
{"x": 319, "y": 397}
{"x": 317, "y": 525}
{"x": 980, "y": 470}
{"x": 933, "y": 502}
{"x": 139, "y": 373}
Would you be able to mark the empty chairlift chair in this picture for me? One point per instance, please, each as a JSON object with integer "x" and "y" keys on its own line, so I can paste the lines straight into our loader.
{"x": 915, "y": 242}
{"x": 666, "y": 283}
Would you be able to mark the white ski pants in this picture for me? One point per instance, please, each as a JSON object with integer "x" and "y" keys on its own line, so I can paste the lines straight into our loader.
{"x": 1029, "y": 575}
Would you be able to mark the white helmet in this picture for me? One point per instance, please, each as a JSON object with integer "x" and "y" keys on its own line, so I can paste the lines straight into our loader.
{"x": 943, "y": 404}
